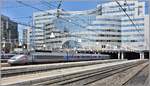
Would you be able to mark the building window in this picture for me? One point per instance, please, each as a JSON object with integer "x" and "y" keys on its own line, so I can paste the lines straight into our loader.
{"x": 103, "y": 46}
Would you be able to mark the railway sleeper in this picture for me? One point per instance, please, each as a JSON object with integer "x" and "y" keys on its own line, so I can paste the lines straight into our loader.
{"x": 77, "y": 77}
{"x": 89, "y": 78}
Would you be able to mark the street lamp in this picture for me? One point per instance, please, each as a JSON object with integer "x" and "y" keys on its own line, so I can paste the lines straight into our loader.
{"x": 115, "y": 47}
{"x": 20, "y": 44}
{"x": 69, "y": 20}
{"x": 52, "y": 35}
{"x": 4, "y": 48}
{"x": 3, "y": 45}
{"x": 97, "y": 43}
{"x": 79, "y": 40}
{"x": 107, "y": 46}
{"x": 24, "y": 46}
{"x": 44, "y": 46}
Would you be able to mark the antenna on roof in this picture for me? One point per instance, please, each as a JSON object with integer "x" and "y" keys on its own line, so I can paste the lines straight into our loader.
{"x": 58, "y": 9}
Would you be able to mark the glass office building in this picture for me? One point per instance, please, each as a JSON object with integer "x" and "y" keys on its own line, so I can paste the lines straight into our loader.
{"x": 83, "y": 31}
{"x": 106, "y": 28}
{"x": 134, "y": 30}
{"x": 40, "y": 19}
{"x": 64, "y": 32}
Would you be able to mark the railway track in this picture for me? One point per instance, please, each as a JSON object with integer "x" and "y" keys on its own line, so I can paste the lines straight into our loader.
{"x": 5, "y": 65}
{"x": 19, "y": 70}
{"x": 139, "y": 79}
{"x": 74, "y": 76}
{"x": 89, "y": 77}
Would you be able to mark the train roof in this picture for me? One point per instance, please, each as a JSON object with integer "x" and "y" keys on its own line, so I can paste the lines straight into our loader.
{"x": 63, "y": 54}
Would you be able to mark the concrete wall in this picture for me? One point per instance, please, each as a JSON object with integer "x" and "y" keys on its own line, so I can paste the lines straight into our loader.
{"x": 147, "y": 31}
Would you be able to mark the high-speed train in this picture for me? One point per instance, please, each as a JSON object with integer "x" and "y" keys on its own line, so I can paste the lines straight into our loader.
{"x": 54, "y": 57}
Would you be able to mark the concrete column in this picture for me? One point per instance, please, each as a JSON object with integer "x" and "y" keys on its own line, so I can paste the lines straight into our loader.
{"x": 118, "y": 55}
{"x": 141, "y": 55}
{"x": 122, "y": 55}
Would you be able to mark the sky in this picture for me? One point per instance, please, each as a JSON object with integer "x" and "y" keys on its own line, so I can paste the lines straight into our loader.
{"x": 15, "y": 10}
{"x": 21, "y": 13}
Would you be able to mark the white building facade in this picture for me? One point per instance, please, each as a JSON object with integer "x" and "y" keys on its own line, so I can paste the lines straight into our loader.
{"x": 109, "y": 28}
{"x": 40, "y": 19}
{"x": 134, "y": 30}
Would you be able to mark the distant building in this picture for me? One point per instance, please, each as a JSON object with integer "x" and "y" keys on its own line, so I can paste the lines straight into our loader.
{"x": 9, "y": 33}
{"x": 27, "y": 38}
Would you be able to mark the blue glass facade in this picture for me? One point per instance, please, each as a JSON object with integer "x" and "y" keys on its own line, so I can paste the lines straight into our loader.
{"x": 113, "y": 27}
{"x": 75, "y": 23}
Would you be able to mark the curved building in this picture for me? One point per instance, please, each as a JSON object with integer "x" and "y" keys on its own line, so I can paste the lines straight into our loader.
{"x": 101, "y": 32}
{"x": 107, "y": 27}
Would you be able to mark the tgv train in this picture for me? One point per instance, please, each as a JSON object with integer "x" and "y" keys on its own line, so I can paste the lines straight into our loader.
{"x": 54, "y": 57}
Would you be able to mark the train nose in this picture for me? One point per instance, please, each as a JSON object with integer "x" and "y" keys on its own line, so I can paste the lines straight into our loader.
{"x": 10, "y": 61}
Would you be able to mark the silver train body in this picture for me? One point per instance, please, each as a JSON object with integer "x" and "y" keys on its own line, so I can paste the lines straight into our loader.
{"x": 54, "y": 57}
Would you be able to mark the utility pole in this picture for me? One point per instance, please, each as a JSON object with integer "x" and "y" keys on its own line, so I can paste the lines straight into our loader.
{"x": 0, "y": 39}
{"x": 44, "y": 32}
{"x": 0, "y": 35}
{"x": 149, "y": 30}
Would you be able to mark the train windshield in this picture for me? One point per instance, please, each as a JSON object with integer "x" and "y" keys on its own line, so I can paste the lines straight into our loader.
{"x": 16, "y": 57}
